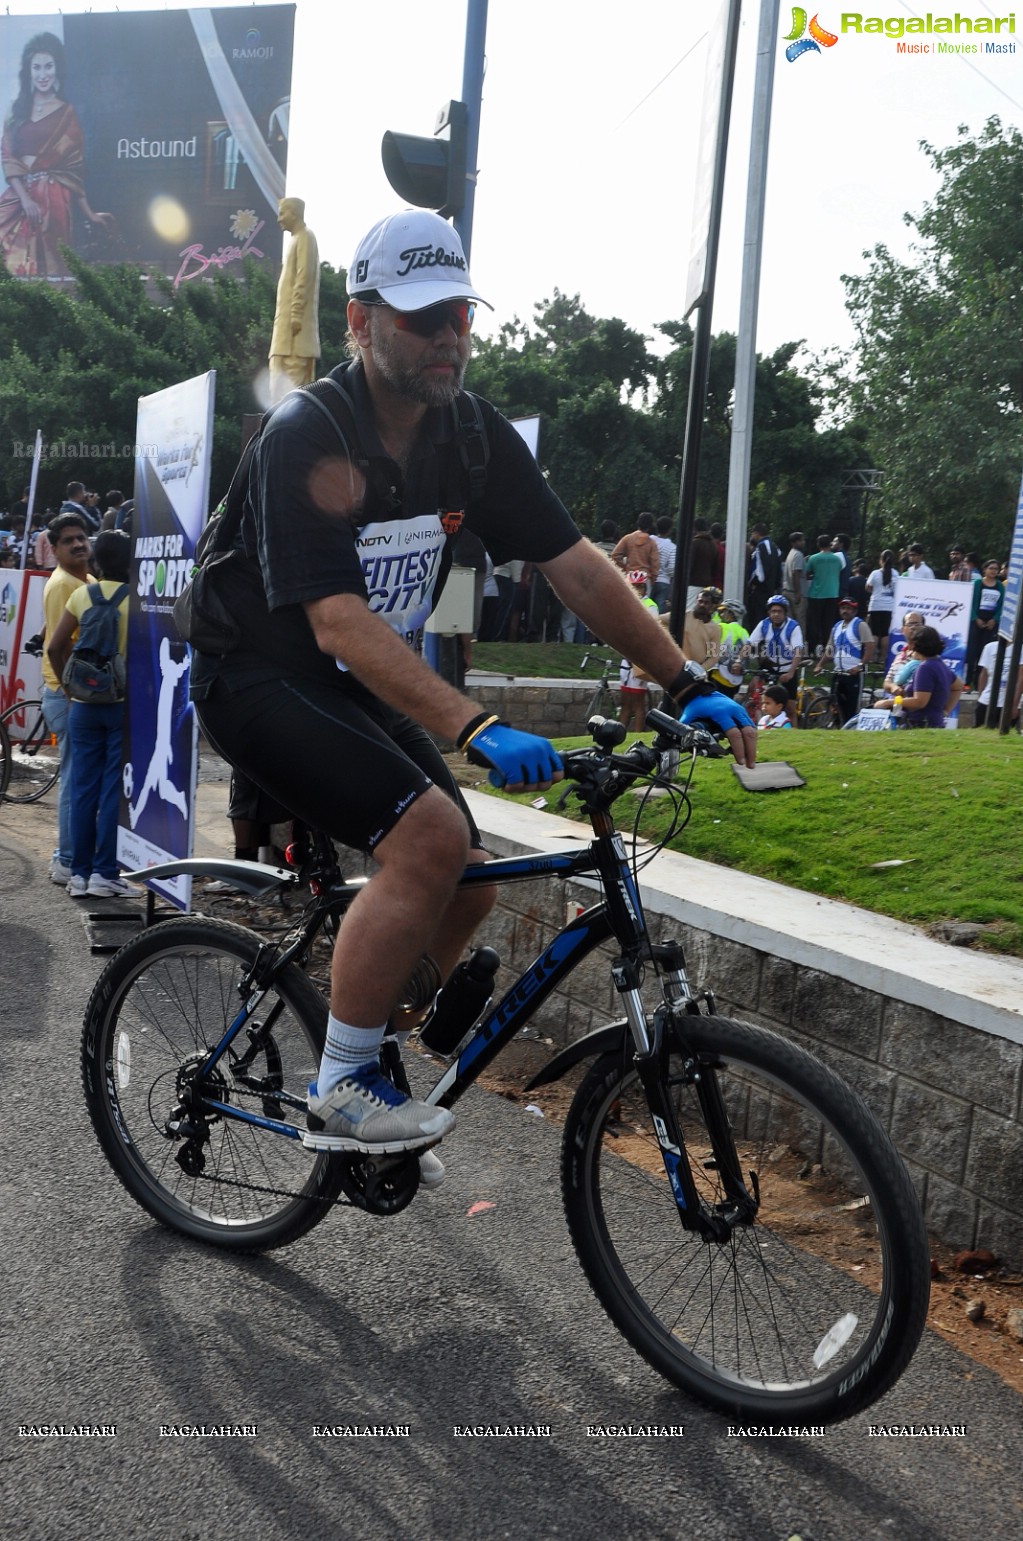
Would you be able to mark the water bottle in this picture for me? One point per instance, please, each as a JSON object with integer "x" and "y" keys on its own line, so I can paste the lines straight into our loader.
{"x": 461, "y": 1002}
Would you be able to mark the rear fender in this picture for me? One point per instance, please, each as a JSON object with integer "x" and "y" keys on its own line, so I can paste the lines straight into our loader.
{"x": 615, "y": 1038}
{"x": 250, "y": 877}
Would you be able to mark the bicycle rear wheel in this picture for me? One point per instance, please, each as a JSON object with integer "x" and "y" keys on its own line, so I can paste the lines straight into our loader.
{"x": 160, "y": 1004}
{"x": 807, "y": 1313}
{"x": 34, "y": 759}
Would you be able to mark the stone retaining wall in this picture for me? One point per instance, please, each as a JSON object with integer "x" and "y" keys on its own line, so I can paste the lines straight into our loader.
{"x": 557, "y": 709}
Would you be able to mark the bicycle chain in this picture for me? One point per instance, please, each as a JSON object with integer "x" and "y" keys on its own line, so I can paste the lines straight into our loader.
{"x": 277, "y": 1193}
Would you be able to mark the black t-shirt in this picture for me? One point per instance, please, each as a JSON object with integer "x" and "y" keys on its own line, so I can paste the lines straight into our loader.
{"x": 318, "y": 523}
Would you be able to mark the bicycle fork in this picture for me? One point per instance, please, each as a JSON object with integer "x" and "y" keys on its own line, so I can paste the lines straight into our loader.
{"x": 651, "y": 1053}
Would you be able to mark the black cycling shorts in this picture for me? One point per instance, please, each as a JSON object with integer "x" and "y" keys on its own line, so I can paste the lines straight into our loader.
{"x": 339, "y": 759}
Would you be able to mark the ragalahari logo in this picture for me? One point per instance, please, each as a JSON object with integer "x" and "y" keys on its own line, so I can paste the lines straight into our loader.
{"x": 798, "y": 41}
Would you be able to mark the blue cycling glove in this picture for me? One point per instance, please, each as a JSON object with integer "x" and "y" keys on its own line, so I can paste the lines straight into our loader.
{"x": 518, "y": 760}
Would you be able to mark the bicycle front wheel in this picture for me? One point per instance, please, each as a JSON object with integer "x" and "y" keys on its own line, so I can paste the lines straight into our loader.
{"x": 33, "y": 757}
{"x": 808, "y": 1311}
{"x": 820, "y": 713}
{"x": 157, "y": 1009}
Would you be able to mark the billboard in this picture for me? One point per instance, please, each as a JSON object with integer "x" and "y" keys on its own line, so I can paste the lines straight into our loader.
{"x": 156, "y": 137}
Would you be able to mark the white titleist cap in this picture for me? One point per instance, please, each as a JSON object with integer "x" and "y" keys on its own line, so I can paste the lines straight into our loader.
{"x": 412, "y": 260}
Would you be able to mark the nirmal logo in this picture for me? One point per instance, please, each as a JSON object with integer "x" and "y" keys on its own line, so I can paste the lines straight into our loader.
{"x": 253, "y": 48}
{"x": 798, "y": 41}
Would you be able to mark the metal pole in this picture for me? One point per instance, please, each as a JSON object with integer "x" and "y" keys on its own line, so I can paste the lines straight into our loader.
{"x": 741, "y": 449}
{"x": 472, "y": 95}
{"x": 700, "y": 367}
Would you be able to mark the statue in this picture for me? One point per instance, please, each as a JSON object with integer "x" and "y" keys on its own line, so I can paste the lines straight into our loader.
{"x": 295, "y": 343}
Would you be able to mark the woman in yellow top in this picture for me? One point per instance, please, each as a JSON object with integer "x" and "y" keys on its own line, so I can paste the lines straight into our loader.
{"x": 96, "y": 732}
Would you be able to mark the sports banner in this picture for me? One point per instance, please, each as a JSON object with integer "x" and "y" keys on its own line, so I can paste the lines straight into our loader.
{"x": 161, "y": 759}
{"x": 158, "y": 137}
{"x": 944, "y": 605}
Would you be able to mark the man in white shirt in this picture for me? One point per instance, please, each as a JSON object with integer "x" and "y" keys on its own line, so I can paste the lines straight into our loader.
{"x": 917, "y": 568}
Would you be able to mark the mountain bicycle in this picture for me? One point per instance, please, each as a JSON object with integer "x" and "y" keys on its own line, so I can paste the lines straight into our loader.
{"x": 719, "y": 1183}
{"x": 33, "y": 758}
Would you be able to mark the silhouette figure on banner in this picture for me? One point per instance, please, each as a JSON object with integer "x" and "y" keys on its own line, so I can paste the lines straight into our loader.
{"x": 158, "y": 774}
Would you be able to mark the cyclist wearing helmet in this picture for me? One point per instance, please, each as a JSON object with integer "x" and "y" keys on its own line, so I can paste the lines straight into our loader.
{"x": 731, "y": 665}
{"x": 704, "y": 707}
{"x": 778, "y": 640}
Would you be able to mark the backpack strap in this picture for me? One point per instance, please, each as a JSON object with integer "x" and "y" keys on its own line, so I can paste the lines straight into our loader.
{"x": 472, "y": 441}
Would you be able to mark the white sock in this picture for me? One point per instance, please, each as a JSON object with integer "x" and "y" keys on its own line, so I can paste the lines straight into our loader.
{"x": 345, "y": 1050}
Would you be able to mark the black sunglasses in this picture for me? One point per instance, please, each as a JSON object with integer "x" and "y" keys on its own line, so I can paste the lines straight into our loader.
{"x": 457, "y": 314}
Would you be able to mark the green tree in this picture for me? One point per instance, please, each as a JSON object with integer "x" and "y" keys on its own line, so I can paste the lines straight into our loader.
{"x": 939, "y": 359}
{"x": 79, "y": 358}
{"x": 583, "y": 376}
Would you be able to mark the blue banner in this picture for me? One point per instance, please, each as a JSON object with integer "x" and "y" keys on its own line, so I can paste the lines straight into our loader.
{"x": 161, "y": 762}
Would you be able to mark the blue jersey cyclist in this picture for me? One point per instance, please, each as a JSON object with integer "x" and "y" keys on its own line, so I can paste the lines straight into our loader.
{"x": 326, "y": 707}
{"x": 779, "y": 640}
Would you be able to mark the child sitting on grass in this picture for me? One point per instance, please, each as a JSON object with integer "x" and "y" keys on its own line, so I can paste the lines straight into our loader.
{"x": 775, "y": 701}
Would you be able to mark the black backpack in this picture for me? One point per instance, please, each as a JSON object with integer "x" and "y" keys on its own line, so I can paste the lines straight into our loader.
{"x": 200, "y": 614}
{"x": 95, "y": 672}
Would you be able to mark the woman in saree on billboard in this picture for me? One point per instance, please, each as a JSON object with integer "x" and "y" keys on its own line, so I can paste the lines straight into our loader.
{"x": 44, "y": 165}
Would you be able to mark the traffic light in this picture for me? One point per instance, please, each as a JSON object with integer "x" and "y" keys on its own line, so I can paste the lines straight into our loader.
{"x": 430, "y": 173}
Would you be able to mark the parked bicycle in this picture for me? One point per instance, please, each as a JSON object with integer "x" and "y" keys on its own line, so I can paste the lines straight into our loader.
{"x": 33, "y": 758}
{"x": 718, "y": 1181}
{"x": 604, "y": 701}
{"x": 814, "y": 705}
{"x": 5, "y": 759}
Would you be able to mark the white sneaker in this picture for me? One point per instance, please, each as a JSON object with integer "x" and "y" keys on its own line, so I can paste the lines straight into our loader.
{"x": 77, "y": 887}
{"x": 59, "y": 873}
{"x": 364, "y": 1112}
{"x": 431, "y": 1171}
{"x": 110, "y": 888}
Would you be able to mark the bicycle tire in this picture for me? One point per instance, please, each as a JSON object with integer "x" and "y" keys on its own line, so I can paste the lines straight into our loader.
{"x": 5, "y": 759}
{"x": 161, "y": 1002}
{"x": 820, "y": 713}
{"x": 32, "y": 772}
{"x": 768, "y": 1325}
{"x": 602, "y": 703}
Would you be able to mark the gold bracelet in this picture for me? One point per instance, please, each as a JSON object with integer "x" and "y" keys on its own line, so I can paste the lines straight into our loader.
{"x": 481, "y": 727}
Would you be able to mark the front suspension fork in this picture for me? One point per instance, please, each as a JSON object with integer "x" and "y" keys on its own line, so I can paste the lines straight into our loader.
{"x": 714, "y": 1223}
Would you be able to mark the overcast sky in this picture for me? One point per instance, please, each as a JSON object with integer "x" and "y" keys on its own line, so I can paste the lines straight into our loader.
{"x": 588, "y": 143}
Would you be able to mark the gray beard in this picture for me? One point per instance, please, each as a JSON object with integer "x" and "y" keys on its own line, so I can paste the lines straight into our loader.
{"x": 409, "y": 385}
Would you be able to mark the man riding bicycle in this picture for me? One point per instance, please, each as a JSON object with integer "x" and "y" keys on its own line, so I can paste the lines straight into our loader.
{"x": 779, "y": 640}
{"x": 326, "y": 706}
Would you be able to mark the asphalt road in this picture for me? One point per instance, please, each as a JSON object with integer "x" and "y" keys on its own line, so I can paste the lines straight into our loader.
{"x": 433, "y": 1319}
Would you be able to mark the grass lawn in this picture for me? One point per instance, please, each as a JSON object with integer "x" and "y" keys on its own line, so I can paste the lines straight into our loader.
{"x": 946, "y": 804}
{"x": 535, "y": 660}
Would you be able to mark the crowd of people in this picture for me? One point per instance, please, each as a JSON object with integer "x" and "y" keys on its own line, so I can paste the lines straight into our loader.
{"x": 108, "y": 511}
{"x": 828, "y": 611}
